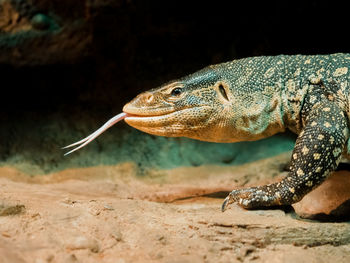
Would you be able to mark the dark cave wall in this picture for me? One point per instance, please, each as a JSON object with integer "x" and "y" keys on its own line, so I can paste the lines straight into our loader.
{"x": 63, "y": 79}
{"x": 131, "y": 46}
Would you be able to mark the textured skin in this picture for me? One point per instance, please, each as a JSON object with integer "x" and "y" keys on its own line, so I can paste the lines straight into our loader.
{"x": 253, "y": 98}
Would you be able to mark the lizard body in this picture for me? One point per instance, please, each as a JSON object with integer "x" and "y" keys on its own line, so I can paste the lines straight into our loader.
{"x": 253, "y": 98}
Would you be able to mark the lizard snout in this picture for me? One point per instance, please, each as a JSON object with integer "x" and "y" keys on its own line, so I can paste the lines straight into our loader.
{"x": 144, "y": 98}
{"x": 138, "y": 103}
{"x": 148, "y": 97}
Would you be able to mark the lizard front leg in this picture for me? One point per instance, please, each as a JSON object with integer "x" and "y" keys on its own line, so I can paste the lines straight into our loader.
{"x": 316, "y": 154}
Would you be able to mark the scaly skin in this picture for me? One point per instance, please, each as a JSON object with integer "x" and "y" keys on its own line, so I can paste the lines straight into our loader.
{"x": 253, "y": 98}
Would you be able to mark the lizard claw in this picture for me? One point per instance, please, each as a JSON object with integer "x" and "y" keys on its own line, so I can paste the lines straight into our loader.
{"x": 243, "y": 197}
{"x": 228, "y": 200}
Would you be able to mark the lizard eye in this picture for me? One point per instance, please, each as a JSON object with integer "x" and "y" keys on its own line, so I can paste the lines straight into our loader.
{"x": 176, "y": 92}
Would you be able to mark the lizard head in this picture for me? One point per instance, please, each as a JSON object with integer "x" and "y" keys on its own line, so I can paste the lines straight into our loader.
{"x": 196, "y": 106}
{"x": 220, "y": 103}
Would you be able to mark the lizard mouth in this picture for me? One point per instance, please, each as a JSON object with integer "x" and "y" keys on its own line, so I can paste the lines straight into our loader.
{"x": 170, "y": 124}
{"x": 133, "y": 115}
{"x": 140, "y": 112}
{"x": 144, "y": 116}
{"x": 136, "y": 118}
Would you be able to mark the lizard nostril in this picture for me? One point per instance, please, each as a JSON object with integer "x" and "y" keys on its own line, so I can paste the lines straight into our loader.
{"x": 148, "y": 97}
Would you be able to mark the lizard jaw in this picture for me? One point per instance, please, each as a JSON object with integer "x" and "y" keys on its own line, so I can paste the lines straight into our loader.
{"x": 171, "y": 124}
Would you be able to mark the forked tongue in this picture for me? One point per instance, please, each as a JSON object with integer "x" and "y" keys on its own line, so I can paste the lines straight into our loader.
{"x": 95, "y": 134}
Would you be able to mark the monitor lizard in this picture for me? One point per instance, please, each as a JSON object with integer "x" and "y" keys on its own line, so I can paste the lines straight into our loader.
{"x": 250, "y": 99}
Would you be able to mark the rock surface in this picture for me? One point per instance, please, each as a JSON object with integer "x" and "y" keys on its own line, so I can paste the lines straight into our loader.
{"x": 109, "y": 214}
{"x": 329, "y": 201}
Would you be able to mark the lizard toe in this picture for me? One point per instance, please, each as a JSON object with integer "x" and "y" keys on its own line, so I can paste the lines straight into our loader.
{"x": 240, "y": 196}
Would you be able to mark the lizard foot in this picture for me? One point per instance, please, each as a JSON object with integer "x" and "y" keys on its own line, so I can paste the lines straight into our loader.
{"x": 250, "y": 198}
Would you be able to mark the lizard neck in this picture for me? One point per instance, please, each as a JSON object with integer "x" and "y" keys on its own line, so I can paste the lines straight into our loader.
{"x": 279, "y": 85}
{"x": 258, "y": 108}
{"x": 261, "y": 115}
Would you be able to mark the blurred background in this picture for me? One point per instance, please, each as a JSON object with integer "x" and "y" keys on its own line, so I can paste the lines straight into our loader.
{"x": 66, "y": 67}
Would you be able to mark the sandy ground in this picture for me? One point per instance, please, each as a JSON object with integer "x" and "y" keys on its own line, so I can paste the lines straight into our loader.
{"x": 108, "y": 214}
